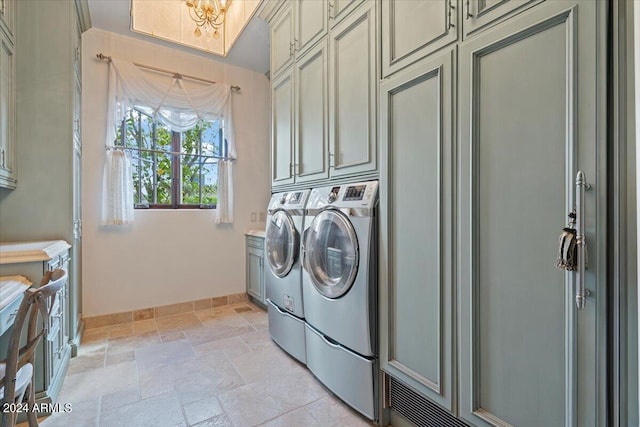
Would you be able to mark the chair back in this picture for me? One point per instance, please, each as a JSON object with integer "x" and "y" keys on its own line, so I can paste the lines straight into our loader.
{"x": 36, "y": 301}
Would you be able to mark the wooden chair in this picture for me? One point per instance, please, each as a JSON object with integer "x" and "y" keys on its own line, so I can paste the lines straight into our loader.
{"x": 17, "y": 369}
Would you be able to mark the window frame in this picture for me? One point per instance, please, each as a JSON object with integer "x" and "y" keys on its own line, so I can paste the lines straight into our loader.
{"x": 176, "y": 154}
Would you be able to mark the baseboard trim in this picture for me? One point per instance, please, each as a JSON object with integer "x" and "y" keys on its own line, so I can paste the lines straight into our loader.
{"x": 161, "y": 311}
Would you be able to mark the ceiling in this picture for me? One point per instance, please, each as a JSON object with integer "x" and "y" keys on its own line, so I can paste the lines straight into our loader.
{"x": 250, "y": 51}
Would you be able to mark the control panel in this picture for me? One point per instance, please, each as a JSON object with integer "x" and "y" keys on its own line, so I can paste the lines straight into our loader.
{"x": 289, "y": 200}
{"x": 357, "y": 195}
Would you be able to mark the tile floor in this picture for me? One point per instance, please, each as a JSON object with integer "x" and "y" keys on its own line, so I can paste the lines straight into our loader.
{"x": 214, "y": 367}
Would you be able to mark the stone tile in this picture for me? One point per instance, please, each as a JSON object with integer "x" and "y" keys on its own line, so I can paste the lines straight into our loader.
{"x": 219, "y": 301}
{"x": 328, "y": 411}
{"x": 167, "y": 353}
{"x": 132, "y": 342}
{"x": 154, "y": 379}
{"x": 108, "y": 320}
{"x": 170, "y": 310}
{"x": 95, "y": 334}
{"x": 142, "y": 326}
{"x": 86, "y": 361}
{"x": 163, "y": 410}
{"x": 202, "y": 410}
{"x": 213, "y": 371}
{"x": 202, "y": 304}
{"x": 266, "y": 364}
{"x": 81, "y": 414}
{"x": 120, "y": 398}
{"x": 258, "y": 341}
{"x": 124, "y": 330}
{"x": 178, "y": 322}
{"x": 144, "y": 314}
{"x": 94, "y": 383}
{"x": 217, "y": 421}
{"x": 172, "y": 336}
{"x": 243, "y": 309}
{"x": 244, "y": 408}
{"x": 115, "y": 358}
{"x": 231, "y": 346}
{"x": 219, "y": 330}
{"x": 236, "y": 298}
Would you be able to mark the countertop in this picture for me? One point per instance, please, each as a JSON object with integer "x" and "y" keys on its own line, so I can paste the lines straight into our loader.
{"x": 16, "y": 252}
{"x": 255, "y": 233}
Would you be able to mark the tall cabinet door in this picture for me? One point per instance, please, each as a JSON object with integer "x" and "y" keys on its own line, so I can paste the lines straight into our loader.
{"x": 416, "y": 220}
{"x": 311, "y": 23}
{"x": 282, "y": 130}
{"x": 531, "y": 116}
{"x": 282, "y": 40}
{"x": 352, "y": 93}
{"x": 311, "y": 115}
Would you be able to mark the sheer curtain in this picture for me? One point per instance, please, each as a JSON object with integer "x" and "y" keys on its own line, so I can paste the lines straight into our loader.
{"x": 179, "y": 103}
{"x": 117, "y": 196}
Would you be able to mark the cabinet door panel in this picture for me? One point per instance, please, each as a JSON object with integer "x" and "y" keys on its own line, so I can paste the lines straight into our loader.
{"x": 282, "y": 131}
{"x": 311, "y": 115}
{"x": 254, "y": 274}
{"x": 524, "y": 135}
{"x": 416, "y": 228}
{"x": 311, "y": 23}
{"x": 339, "y": 9}
{"x": 8, "y": 177}
{"x": 282, "y": 40}
{"x": 352, "y": 96}
{"x": 481, "y": 13}
{"x": 412, "y": 29}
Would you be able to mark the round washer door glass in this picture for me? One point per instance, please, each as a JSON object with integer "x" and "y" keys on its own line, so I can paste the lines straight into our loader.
{"x": 282, "y": 243}
{"x": 331, "y": 253}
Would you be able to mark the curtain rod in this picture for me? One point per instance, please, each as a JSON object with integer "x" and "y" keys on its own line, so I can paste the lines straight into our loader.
{"x": 102, "y": 57}
{"x": 148, "y": 150}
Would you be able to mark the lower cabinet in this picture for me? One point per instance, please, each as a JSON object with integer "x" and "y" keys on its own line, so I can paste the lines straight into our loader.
{"x": 255, "y": 269}
{"x": 54, "y": 352}
{"x": 416, "y": 220}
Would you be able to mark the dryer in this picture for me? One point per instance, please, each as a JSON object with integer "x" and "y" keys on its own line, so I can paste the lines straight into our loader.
{"x": 340, "y": 291}
{"x": 283, "y": 280}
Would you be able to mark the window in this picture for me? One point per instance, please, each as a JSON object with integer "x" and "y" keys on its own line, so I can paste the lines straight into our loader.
{"x": 172, "y": 170}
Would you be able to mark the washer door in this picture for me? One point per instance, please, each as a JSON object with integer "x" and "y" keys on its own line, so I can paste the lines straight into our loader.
{"x": 282, "y": 243}
{"x": 331, "y": 253}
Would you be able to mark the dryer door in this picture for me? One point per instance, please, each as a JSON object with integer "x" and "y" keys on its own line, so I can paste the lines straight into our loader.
{"x": 282, "y": 243}
{"x": 331, "y": 253}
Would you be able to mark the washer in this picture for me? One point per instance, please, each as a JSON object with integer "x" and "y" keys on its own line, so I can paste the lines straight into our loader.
{"x": 340, "y": 291}
{"x": 285, "y": 218}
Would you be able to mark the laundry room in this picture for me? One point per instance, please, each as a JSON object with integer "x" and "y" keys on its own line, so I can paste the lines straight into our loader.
{"x": 319, "y": 213}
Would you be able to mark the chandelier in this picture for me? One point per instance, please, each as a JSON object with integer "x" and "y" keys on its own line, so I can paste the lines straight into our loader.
{"x": 207, "y": 13}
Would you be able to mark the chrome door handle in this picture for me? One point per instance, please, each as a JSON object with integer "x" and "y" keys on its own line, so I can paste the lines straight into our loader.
{"x": 581, "y": 242}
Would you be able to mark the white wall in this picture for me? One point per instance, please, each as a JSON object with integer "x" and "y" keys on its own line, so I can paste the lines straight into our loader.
{"x": 168, "y": 256}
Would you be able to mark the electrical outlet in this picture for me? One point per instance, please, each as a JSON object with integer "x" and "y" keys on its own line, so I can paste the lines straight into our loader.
{"x": 253, "y": 217}
{"x": 263, "y": 216}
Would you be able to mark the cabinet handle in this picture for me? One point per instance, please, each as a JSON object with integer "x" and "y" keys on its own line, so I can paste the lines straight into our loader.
{"x": 291, "y": 172}
{"x": 329, "y": 10}
{"x": 581, "y": 243}
{"x": 291, "y": 48}
{"x": 3, "y": 162}
{"x": 469, "y": 14}
{"x": 331, "y": 161}
{"x": 451, "y": 9}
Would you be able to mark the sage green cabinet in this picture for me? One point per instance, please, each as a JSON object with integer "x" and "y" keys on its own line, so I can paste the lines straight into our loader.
{"x": 414, "y": 29}
{"x": 532, "y": 114}
{"x": 255, "y": 268}
{"x": 339, "y": 9}
{"x": 310, "y": 116}
{"x": 33, "y": 260}
{"x": 311, "y": 24}
{"x": 416, "y": 223}
{"x": 282, "y": 39}
{"x": 8, "y": 176}
{"x": 479, "y": 14}
{"x": 352, "y": 94}
{"x": 324, "y": 105}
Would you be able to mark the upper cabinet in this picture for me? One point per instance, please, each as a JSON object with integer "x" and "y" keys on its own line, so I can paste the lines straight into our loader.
{"x": 479, "y": 14}
{"x": 323, "y": 91}
{"x": 414, "y": 29}
{"x": 8, "y": 178}
{"x": 352, "y": 97}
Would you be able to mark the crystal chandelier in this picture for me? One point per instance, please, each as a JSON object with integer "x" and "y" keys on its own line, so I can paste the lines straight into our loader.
{"x": 207, "y": 13}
